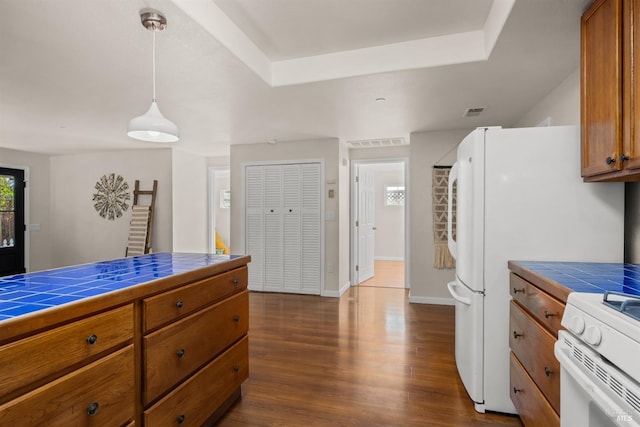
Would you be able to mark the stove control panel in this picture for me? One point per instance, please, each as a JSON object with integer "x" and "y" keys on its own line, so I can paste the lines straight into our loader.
{"x": 576, "y": 324}
{"x": 593, "y": 335}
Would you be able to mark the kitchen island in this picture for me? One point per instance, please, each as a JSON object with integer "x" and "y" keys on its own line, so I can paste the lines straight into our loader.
{"x": 158, "y": 339}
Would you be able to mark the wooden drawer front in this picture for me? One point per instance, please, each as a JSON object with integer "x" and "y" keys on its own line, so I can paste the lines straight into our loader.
{"x": 198, "y": 397}
{"x": 533, "y": 345}
{"x": 107, "y": 382}
{"x": 533, "y": 408}
{"x": 174, "y": 352}
{"x": 543, "y": 306}
{"x": 35, "y": 358}
{"x": 168, "y": 306}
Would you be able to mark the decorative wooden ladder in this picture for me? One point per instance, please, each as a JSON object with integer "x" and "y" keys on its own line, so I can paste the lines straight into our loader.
{"x": 141, "y": 225}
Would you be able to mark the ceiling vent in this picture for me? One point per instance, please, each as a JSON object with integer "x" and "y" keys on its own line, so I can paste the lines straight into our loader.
{"x": 372, "y": 143}
{"x": 473, "y": 112}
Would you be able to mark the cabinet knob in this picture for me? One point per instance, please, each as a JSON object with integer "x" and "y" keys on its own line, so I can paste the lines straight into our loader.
{"x": 236, "y": 368}
{"x": 93, "y": 409}
{"x": 271, "y": 210}
{"x": 180, "y": 353}
{"x": 517, "y": 335}
{"x": 516, "y": 290}
{"x": 290, "y": 210}
{"x": 179, "y": 304}
{"x": 548, "y": 314}
{"x": 236, "y": 318}
{"x": 92, "y": 339}
{"x": 235, "y": 282}
{"x": 623, "y": 158}
{"x": 610, "y": 160}
{"x": 180, "y": 419}
{"x": 516, "y": 390}
{"x": 547, "y": 371}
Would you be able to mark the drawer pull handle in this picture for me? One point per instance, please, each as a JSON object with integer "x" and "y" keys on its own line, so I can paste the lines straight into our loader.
{"x": 179, "y": 304}
{"x": 93, "y": 409}
{"x": 236, "y": 368}
{"x": 547, "y": 371}
{"x": 235, "y": 282}
{"x": 516, "y": 290}
{"x": 548, "y": 314}
{"x": 236, "y": 318}
{"x": 516, "y": 390}
{"x": 517, "y": 335}
{"x": 180, "y": 353}
{"x": 181, "y": 419}
{"x": 92, "y": 339}
{"x": 610, "y": 160}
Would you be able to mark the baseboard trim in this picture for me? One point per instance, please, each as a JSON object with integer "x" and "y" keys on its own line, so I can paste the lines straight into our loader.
{"x": 388, "y": 258}
{"x": 431, "y": 300}
{"x": 337, "y": 294}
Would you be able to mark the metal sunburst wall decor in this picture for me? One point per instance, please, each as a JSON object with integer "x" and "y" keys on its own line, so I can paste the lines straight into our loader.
{"x": 111, "y": 197}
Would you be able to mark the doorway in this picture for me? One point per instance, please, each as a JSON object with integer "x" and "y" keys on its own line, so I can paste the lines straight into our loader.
{"x": 379, "y": 207}
{"x": 219, "y": 210}
{"x": 12, "y": 221}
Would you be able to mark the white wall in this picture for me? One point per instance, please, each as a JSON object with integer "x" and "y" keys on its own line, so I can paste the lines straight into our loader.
{"x": 428, "y": 284}
{"x": 79, "y": 234}
{"x": 331, "y": 153}
{"x": 39, "y": 257}
{"x": 561, "y": 105}
{"x": 189, "y": 201}
{"x": 344, "y": 219}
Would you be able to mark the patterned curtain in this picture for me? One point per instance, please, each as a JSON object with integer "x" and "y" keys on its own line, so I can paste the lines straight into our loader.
{"x": 440, "y": 191}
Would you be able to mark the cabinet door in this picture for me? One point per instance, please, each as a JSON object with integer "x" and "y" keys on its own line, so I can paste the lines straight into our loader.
{"x": 601, "y": 86}
{"x": 291, "y": 220}
{"x": 273, "y": 227}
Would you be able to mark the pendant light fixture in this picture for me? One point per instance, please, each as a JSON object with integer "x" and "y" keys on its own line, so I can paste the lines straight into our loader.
{"x": 152, "y": 126}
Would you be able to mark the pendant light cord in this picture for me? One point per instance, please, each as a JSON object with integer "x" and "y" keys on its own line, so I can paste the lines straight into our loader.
{"x": 153, "y": 62}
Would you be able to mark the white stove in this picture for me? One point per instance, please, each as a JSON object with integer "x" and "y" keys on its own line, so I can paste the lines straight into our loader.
{"x": 599, "y": 354}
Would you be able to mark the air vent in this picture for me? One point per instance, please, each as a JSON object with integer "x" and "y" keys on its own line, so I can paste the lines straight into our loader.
{"x": 473, "y": 112}
{"x": 372, "y": 143}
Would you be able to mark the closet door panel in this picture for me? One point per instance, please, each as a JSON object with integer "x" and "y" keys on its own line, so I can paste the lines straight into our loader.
{"x": 291, "y": 221}
{"x": 273, "y": 226}
{"x": 310, "y": 231}
{"x": 255, "y": 245}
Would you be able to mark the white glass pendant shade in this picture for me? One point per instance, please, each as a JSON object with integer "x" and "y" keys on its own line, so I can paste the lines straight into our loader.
{"x": 152, "y": 126}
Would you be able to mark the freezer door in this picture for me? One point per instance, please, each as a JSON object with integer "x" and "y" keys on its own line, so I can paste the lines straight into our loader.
{"x": 469, "y": 340}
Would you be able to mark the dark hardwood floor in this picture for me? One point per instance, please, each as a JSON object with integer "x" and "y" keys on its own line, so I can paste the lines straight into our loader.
{"x": 367, "y": 359}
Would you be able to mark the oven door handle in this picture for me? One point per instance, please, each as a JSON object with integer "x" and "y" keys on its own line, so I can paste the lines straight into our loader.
{"x": 595, "y": 391}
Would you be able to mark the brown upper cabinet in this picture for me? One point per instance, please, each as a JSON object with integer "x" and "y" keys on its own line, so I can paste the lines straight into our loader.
{"x": 610, "y": 94}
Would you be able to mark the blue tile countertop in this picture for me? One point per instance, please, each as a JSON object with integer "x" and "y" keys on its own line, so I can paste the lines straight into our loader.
{"x": 32, "y": 292}
{"x": 583, "y": 276}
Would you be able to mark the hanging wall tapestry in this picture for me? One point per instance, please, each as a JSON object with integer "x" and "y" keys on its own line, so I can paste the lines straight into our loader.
{"x": 440, "y": 192}
{"x": 111, "y": 196}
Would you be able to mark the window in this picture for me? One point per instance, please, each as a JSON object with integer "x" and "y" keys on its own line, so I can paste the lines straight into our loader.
{"x": 394, "y": 195}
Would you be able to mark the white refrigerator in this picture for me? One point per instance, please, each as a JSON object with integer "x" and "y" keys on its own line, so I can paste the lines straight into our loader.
{"x": 519, "y": 197}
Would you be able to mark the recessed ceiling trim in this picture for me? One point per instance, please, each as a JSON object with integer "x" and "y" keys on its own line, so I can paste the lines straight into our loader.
{"x": 429, "y": 52}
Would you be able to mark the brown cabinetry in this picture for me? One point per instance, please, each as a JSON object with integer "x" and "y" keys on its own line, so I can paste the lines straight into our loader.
{"x": 535, "y": 317}
{"x": 167, "y": 352}
{"x": 610, "y": 94}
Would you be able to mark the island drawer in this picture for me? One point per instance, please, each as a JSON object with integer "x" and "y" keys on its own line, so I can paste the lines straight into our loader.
{"x": 195, "y": 399}
{"x": 533, "y": 345}
{"x": 169, "y": 306}
{"x": 545, "y": 308}
{"x": 101, "y": 393}
{"x": 173, "y": 352}
{"x": 33, "y": 359}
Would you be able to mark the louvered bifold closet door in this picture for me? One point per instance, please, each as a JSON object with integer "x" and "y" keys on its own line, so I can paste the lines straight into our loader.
{"x": 254, "y": 177}
{"x": 273, "y": 227}
{"x": 310, "y": 232}
{"x": 292, "y": 228}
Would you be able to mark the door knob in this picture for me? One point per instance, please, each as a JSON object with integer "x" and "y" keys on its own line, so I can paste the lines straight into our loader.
{"x": 374, "y": 228}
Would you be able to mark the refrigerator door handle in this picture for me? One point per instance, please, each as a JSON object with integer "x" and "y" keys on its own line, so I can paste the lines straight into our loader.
{"x": 453, "y": 246}
{"x": 456, "y": 296}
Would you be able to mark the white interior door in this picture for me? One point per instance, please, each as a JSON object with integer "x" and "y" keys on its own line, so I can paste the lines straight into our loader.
{"x": 311, "y": 236}
{"x": 366, "y": 225}
{"x": 254, "y": 223}
{"x": 273, "y": 229}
